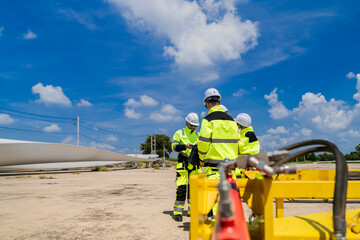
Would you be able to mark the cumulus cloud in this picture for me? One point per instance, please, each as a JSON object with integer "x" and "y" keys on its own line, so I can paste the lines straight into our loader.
{"x": 5, "y": 119}
{"x": 82, "y": 18}
{"x": 356, "y": 96}
{"x": 68, "y": 140}
{"x": 84, "y": 103}
{"x": 130, "y": 113}
{"x": 52, "y": 128}
{"x": 203, "y": 114}
{"x": 29, "y": 35}
{"x": 50, "y": 95}
{"x": 315, "y": 110}
{"x": 166, "y": 114}
{"x": 201, "y": 36}
{"x": 278, "y": 130}
{"x": 278, "y": 110}
{"x": 306, "y": 132}
{"x": 354, "y": 133}
{"x": 1, "y": 29}
{"x": 240, "y": 92}
{"x": 144, "y": 101}
{"x": 111, "y": 138}
{"x": 104, "y": 146}
{"x": 350, "y": 75}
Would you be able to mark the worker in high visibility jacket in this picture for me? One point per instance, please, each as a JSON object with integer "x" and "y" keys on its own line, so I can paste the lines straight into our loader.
{"x": 183, "y": 140}
{"x": 218, "y": 139}
{"x": 248, "y": 142}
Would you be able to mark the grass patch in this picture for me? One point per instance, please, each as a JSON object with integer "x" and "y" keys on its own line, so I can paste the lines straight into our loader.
{"x": 100, "y": 169}
{"x": 42, "y": 176}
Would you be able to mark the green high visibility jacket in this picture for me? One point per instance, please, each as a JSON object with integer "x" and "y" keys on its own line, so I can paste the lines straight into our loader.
{"x": 248, "y": 142}
{"x": 218, "y": 137}
{"x": 182, "y": 137}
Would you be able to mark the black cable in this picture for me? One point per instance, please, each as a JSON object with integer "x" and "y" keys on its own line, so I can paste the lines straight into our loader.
{"x": 107, "y": 131}
{"x": 341, "y": 182}
{"x": 33, "y": 114}
{"x": 27, "y": 130}
{"x": 37, "y": 118}
{"x": 96, "y": 140}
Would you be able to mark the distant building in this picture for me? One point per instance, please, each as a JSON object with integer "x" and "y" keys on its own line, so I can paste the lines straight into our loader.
{"x": 145, "y": 156}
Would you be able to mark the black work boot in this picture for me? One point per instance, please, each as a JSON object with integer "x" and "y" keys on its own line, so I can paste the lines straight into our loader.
{"x": 178, "y": 217}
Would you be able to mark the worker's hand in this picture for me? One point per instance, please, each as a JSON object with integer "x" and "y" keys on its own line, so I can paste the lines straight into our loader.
{"x": 201, "y": 163}
{"x": 188, "y": 146}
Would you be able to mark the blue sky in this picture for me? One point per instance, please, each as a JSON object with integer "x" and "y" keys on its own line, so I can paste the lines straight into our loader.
{"x": 129, "y": 68}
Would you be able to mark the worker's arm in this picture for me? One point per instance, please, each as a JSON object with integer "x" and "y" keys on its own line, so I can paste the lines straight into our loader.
{"x": 176, "y": 143}
{"x": 204, "y": 139}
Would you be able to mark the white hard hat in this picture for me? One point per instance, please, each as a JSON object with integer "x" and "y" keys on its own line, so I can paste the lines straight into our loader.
{"x": 243, "y": 119}
{"x": 224, "y": 108}
{"x": 211, "y": 92}
{"x": 192, "y": 118}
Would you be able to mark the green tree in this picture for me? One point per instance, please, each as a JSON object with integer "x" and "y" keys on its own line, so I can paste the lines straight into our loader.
{"x": 326, "y": 157}
{"x": 354, "y": 155}
{"x": 161, "y": 140}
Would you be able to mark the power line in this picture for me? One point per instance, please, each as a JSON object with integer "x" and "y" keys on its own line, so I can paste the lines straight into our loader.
{"x": 101, "y": 141}
{"x": 27, "y": 130}
{"x": 33, "y": 114}
{"x": 107, "y": 131}
{"x": 37, "y": 118}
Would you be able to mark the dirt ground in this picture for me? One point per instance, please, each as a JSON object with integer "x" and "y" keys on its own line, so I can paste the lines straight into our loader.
{"x": 122, "y": 204}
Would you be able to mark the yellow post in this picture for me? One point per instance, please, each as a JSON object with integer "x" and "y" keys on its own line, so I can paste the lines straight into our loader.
{"x": 268, "y": 210}
{"x": 279, "y": 207}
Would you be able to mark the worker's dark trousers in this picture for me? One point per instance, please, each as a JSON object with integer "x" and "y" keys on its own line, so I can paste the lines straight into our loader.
{"x": 182, "y": 187}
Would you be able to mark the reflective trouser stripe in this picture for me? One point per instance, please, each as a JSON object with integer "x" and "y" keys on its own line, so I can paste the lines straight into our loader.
{"x": 181, "y": 184}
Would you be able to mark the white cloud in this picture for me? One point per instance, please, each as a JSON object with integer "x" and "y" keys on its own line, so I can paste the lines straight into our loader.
{"x": 315, "y": 111}
{"x": 278, "y": 130}
{"x": 354, "y": 133}
{"x": 148, "y": 101}
{"x": 101, "y": 146}
{"x": 50, "y": 95}
{"x": 356, "y": 96}
{"x": 5, "y": 119}
{"x": 84, "y": 103}
{"x": 240, "y": 92}
{"x": 144, "y": 101}
{"x": 350, "y": 75}
{"x": 278, "y": 110}
{"x": 130, "y": 113}
{"x": 201, "y": 36}
{"x": 68, "y": 140}
{"x": 52, "y": 128}
{"x": 203, "y": 114}
{"x": 1, "y": 29}
{"x": 82, "y": 18}
{"x": 306, "y": 132}
{"x": 111, "y": 138}
{"x": 167, "y": 113}
{"x": 29, "y": 35}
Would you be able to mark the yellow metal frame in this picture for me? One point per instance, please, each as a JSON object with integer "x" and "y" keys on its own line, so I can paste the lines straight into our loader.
{"x": 259, "y": 194}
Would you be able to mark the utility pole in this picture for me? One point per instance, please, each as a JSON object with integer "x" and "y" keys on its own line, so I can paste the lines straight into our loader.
{"x": 153, "y": 143}
{"x": 78, "y": 130}
{"x": 163, "y": 163}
